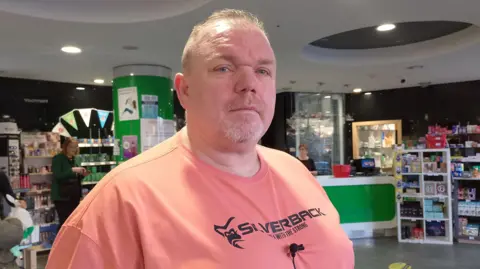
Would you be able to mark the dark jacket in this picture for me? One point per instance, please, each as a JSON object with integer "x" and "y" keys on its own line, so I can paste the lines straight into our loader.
{"x": 66, "y": 185}
{"x": 5, "y": 188}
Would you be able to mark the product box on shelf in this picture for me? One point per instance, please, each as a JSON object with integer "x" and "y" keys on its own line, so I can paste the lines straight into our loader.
{"x": 471, "y": 194}
{"x": 430, "y": 188}
{"x": 463, "y": 225}
{"x": 471, "y": 230}
{"x": 441, "y": 188}
{"x": 435, "y": 228}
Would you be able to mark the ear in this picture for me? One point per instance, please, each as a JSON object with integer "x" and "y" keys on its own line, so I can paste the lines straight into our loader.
{"x": 181, "y": 86}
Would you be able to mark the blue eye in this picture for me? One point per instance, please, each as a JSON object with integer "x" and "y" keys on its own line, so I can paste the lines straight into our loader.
{"x": 223, "y": 69}
{"x": 263, "y": 72}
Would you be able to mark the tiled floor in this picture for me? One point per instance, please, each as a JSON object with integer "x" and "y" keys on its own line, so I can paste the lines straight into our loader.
{"x": 380, "y": 253}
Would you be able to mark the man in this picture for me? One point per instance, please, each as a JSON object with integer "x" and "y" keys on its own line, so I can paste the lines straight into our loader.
{"x": 210, "y": 197}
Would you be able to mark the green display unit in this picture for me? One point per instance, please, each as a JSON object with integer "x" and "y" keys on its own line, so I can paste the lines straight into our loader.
{"x": 143, "y": 108}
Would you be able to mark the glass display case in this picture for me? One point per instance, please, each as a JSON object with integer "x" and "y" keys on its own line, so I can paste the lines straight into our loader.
{"x": 316, "y": 122}
{"x": 375, "y": 139}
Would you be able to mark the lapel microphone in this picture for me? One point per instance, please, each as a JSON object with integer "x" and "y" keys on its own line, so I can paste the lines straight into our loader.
{"x": 294, "y": 248}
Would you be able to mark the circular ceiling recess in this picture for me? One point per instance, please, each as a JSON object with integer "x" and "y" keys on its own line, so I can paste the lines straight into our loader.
{"x": 101, "y": 11}
{"x": 405, "y": 33}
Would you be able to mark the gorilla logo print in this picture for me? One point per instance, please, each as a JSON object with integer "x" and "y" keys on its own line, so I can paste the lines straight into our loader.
{"x": 230, "y": 234}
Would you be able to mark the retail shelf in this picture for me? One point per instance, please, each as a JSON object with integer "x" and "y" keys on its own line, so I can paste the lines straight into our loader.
{"x": 470, "y": 160}
{"x": 411, "y": 218}
{"x": 421, "y": 197}
{"x": 96, "y": 145}
{"x": 466, "y": 178}
{"x": 426, "y": 219}
{"x": 435, "y": 174}
{"x": 414, "y": 241}
{"x": 438, "y": 240}
{"x": 411, "y": 195}
{"x": 97, "y": 163}
{"x": 87, "y": 145}
{"x": 411, "y": 174}
{"x": 41, "y": 174}
{"x": 423, "y": 150}
{"x": 436, "y": 219}
{"x": 20, "y": 190}
{"x": 468, "y": 216}
{"x": 89, "y": 183}
{"x": 436, "y": 196}
{"x": 38, "y": 157}
{"x": 469, "y": 239}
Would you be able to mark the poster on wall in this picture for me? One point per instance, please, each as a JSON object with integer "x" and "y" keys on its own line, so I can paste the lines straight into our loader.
{"x": 154, "y": 131}
{"x": 128, "y": 104}
{"x": 149, "y": 106}
{"x": 130, "y": 146}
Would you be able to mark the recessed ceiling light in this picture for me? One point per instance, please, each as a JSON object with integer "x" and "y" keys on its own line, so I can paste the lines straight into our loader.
{"x": 171, "y": 90}
{"x": 80, "y": 88}
{"x": 131, "y": 74}
{"x": 368, "y": 93}
{"x": 71, "y": 49}
{"x": 357, "y": 90}
{"x": 328, "y": 112}
{"x": 386, "y": 27}
{"x": 99, "y": 81}
{"x": 327, "y": 97}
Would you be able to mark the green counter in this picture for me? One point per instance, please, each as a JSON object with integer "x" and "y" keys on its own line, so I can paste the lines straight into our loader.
{"x": 365, "y": 204}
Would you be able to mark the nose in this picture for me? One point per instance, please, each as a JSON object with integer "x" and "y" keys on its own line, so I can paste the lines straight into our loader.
{"x": 246, "y": 80}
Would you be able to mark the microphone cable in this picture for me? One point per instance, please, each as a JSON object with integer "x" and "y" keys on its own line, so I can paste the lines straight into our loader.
{"x": 294, "y": 248}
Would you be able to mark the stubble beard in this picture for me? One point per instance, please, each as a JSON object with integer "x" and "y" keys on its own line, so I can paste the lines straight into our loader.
{"x": 243, "y": 131}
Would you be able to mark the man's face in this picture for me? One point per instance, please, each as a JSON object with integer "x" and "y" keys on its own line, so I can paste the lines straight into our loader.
{"x": 231, "y": 84}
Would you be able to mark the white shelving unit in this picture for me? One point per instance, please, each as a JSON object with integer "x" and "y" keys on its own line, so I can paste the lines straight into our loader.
{"x": 421, "y": 196}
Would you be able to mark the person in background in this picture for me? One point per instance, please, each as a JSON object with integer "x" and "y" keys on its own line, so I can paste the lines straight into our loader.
{"x": 66, "y": 186}
{"x": 303, "y": 157}
{"x": 210, "y": 197}
{"x": 11, "y": 228}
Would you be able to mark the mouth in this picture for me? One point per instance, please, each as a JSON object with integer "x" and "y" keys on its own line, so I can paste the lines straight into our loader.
{"x": 247, "y": 108}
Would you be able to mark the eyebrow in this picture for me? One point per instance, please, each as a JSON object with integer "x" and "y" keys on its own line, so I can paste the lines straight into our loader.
{"x": 231, "y": 58}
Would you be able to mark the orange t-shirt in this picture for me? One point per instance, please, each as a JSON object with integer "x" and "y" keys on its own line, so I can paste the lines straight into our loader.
{"x": 166, "y": 209}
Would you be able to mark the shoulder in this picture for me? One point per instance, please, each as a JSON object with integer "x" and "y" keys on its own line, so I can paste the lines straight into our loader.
{"x": 59, "y": 156}
{"x": 277, "y": 157}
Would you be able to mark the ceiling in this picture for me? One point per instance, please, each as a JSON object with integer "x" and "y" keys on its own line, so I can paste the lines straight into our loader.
{"x": 405, "y": 33}
{"x": 32, "y": 35}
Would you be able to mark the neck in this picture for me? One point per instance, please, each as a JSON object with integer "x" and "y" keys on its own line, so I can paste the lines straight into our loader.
{"x": 243, "y": 162}
{"x": 303, "y": 157}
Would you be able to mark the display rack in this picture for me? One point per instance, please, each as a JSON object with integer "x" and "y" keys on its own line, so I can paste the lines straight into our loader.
{"x": 424, "y": 204}
{"x": 466, "y": 202}
{"x": 35, "y": 183}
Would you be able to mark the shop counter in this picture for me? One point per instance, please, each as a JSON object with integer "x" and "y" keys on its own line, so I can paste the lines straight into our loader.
{"x": 366, "y": 205}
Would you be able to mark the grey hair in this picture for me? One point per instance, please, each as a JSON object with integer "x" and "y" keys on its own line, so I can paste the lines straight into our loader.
{"x": 233, "y": 15}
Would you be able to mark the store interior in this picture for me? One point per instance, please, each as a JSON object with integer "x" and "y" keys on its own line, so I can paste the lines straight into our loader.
{"x": 383, "y": 96}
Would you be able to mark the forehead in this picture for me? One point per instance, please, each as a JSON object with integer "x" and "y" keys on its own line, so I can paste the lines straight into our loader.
{"x": 235, "y": 39}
